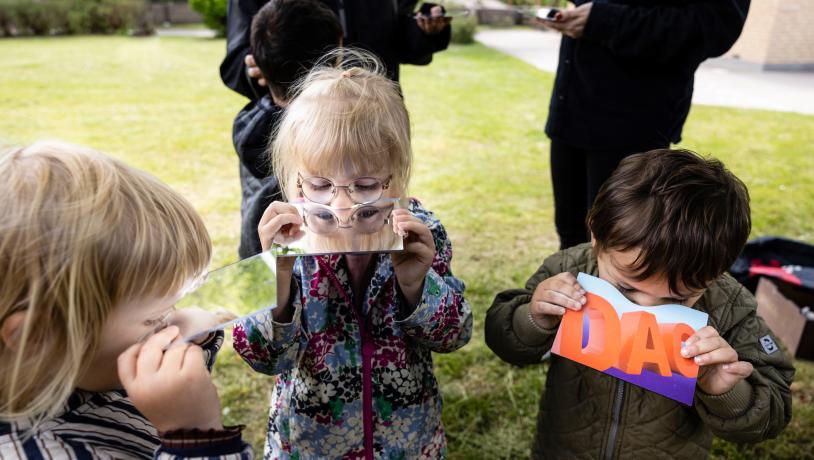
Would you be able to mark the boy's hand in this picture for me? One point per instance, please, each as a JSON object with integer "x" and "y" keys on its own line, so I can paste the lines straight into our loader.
{"x": 412, "y": 264}
{"x": 281, "y": 223}
{"x": 172, "y": 389}
{"x": 253, "y": 70}
{"x": 552, "y": 296}
{"x": 719, "y": 369}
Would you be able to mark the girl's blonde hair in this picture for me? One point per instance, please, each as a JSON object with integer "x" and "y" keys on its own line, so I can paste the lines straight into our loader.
{"x": 348, "y": 119}
{"x": 80, "y": 234}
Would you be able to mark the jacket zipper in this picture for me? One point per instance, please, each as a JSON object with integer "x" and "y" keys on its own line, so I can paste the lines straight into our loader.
{"x": 367, "y": 395}
{"x": 616, "y": 414}
{"x": 367, "y": 364}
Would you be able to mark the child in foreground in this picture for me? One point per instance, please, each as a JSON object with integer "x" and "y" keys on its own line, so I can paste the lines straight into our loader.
{"x": 665, "y": 227}
{"x": 93, "y": 256}
{"x": 353, "y": 335}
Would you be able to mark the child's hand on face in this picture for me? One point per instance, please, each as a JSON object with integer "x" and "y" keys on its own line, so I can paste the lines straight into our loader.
{"x": 172, "y": 389}
{"x": 719, "y": 369}
{"x": 552, "y": 296}
{"x": 412, "y": 264}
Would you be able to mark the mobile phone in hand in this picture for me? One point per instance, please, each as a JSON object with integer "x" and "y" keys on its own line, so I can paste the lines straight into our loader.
{"x": 449, "y": 12}
{"x": 548, "y": 14}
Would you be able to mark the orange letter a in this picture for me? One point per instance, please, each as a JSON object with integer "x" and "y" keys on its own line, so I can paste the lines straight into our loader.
{"x": 642, "y": 343}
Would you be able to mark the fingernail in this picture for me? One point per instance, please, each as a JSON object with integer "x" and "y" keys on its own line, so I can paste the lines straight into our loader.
{"x": 685, "y": 352}
{"x": 699, "y": 360}
{"x": 583, "y": 300}
{"x": 562, "y": 311}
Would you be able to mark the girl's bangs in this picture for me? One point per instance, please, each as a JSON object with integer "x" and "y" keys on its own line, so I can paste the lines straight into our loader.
{"x": 332, "y": 142}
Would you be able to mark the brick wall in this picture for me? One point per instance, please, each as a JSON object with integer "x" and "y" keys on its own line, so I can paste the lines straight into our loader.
{"x": 778, "y": 35}
{"x": 792, "y": 42}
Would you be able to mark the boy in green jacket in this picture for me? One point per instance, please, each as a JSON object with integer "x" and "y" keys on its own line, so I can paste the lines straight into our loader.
{"x": 665, "y": 227}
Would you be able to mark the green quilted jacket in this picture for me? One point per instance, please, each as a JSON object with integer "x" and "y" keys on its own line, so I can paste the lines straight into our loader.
{"x": 586, "y": 414}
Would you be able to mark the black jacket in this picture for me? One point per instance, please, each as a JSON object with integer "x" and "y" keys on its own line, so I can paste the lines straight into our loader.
{"x": 385, "y": 27}
{"x": 628, "y": 82}
{"x": 251, "y": 133}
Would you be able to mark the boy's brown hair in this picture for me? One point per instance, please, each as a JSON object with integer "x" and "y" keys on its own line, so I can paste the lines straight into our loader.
{"x": 688, "y": 215}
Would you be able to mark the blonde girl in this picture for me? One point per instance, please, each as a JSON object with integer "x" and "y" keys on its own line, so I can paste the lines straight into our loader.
{"x": 93, "y": 255}
{"x": 352, "y": 336}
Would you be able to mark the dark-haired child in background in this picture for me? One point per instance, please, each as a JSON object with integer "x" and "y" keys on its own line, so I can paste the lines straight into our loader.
{"x": 287, "y": 39}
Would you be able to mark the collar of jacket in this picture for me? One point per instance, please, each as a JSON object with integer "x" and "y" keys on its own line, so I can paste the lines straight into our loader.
{"x": 338, "y": 264}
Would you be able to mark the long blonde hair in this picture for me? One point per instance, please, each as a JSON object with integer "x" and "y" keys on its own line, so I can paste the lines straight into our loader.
{"x": 80, "y": 234}
{"x": 347, "y": 118}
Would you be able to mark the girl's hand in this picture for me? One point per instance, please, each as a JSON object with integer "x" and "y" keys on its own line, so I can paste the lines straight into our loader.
{"x": 719, "y": 368}
{"x": 412, "y": 264}
{"x": 281, "y": 223}
{"x": 172, "y": 389}
{"x": 552, "y": 296}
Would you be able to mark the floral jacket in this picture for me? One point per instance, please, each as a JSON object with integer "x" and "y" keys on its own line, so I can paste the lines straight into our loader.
{"x": 359, "y": 384}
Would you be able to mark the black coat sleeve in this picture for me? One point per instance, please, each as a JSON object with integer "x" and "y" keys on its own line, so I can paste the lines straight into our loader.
{"x": 239, "y": 15}
{"x": 251, "y": 133}
{"x": 686, "y": 34}
{"x": 416, "y": 47}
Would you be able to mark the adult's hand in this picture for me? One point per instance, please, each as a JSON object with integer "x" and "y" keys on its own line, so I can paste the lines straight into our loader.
{"x": 434, "y": 23}
{"x": 253, "y": 70}
{"x": 571, "y": 22}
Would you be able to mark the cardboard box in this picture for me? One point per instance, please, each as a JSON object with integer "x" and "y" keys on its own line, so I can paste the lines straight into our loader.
{"x": 782, "y": 307}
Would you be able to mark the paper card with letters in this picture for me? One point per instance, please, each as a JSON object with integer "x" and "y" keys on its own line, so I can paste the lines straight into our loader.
{"x": 640, "y": 345}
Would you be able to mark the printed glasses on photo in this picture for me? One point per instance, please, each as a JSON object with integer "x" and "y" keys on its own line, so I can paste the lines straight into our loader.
{"x": 322, "y": 190}
{"x": 361, "y": 218}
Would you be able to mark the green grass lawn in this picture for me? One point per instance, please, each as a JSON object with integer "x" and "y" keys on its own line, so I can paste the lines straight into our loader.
{"x": 480, "y": 163}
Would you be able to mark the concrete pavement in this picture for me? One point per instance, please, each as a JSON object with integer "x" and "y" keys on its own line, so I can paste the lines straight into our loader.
{"x": 723, "y": 82}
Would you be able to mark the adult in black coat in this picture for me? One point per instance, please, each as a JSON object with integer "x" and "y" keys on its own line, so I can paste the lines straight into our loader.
{"x": 624, "y": 85}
